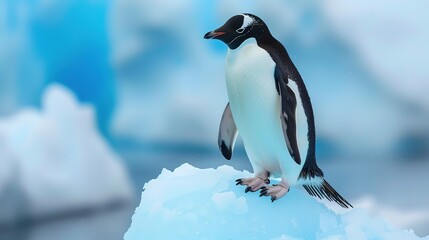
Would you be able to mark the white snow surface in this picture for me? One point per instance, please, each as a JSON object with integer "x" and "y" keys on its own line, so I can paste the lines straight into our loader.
{"x": 54, "y": 161}
{"x": 192, "y": 203}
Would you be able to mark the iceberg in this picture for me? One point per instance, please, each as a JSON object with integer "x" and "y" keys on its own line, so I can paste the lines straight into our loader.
{"x": 54, "y": 161}
{"x": 192, "y": 203}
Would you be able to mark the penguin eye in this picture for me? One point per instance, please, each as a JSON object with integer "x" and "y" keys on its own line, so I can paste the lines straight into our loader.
{"x": 240, "y": 30}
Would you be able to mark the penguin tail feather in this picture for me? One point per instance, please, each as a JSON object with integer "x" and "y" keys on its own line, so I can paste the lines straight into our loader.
{"x": 324, "y": 190}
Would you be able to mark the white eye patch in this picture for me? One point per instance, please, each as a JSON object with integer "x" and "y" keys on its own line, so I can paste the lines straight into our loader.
{"x": 246, "y": 22}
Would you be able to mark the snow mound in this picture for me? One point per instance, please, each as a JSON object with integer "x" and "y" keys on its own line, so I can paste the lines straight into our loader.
{"x": 54, "y": 161}
{"x": 192, "y": 203}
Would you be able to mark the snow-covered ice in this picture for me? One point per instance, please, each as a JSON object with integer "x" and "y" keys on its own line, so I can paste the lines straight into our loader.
{"x": 54, "y": 161}
{"x": 192, "y": 203}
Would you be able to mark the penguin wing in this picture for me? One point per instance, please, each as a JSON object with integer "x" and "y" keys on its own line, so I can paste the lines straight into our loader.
{"x": 227, "y": 133}
{"x": 288, "y": 113}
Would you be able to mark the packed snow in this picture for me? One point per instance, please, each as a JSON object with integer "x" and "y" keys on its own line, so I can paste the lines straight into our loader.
{"x": 54, "y": 161}
{"x": 192, "y": 203}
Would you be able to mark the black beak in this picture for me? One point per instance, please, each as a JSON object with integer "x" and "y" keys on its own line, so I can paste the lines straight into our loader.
{"x": 213, "y": 34}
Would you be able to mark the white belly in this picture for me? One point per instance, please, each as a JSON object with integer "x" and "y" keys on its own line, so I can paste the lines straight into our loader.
{"x": 255, "y": 105}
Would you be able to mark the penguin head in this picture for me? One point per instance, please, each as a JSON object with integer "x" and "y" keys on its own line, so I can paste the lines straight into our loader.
{"x": 238, "y": 29}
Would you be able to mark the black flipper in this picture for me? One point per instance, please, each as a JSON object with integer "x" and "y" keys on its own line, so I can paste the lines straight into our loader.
{"x": 324, "y": 190}
{"x": 227, "y": 133}
{"x": 288, "y": 114}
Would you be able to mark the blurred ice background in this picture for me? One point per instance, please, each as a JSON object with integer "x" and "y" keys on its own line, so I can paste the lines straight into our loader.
{"x": 157, "y": 90}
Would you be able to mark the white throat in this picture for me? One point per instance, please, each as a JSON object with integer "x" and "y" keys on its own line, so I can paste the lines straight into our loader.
{"x": 233, "y": 53}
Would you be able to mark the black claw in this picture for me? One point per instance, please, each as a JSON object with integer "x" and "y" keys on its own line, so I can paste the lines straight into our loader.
{"x": 273, "y": 198}
{"x": 262, "y": 194}
{"x": 238, "y": 180}
{"x": 267, "y": 181}
{"x": 263, "y": 188}
{"x": 248, "y": 189}
{"x": 238, "y": 183}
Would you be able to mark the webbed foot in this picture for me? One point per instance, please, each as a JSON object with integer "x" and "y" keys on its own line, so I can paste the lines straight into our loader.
{"x": 276, "y": 191}
{"x": 254, "y": 183}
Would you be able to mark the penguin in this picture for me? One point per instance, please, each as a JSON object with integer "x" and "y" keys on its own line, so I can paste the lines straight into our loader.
{"x": 269, "y": 106}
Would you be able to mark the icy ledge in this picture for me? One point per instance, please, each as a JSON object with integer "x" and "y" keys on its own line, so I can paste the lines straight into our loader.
{"x": 192, "y": 203}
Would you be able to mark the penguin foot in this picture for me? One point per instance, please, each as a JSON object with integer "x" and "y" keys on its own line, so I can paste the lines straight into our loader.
{"x": 276, "y": 191}
{"x": 253, "y": 184}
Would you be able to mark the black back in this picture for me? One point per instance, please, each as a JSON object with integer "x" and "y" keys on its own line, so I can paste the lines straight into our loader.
{"x": 283, "y": 62}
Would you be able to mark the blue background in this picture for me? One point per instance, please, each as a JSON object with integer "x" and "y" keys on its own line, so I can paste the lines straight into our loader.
{"x": 158, "y": 89}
